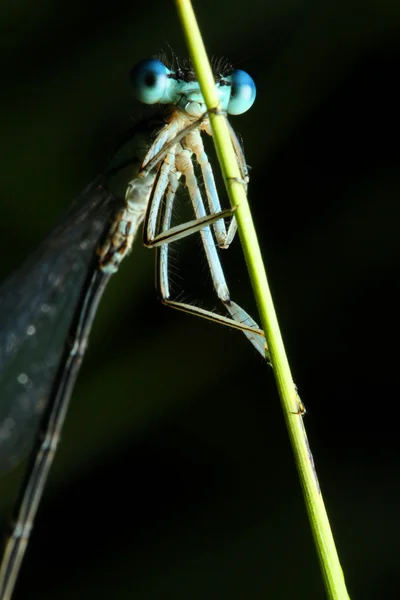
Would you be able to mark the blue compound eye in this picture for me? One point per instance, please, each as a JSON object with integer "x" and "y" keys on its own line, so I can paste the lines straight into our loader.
{"x": 243, "y": 93}
{"x": 149, "y": 81}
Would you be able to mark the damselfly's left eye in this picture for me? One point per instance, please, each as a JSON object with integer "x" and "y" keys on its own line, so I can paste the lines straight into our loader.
{"x": 149, "y": 81}
{"x": 243, "y": 93}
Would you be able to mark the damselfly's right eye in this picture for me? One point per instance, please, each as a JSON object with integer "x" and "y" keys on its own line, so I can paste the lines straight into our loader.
{"x": 149, "y": 81}
{"x": 243, "y": 93}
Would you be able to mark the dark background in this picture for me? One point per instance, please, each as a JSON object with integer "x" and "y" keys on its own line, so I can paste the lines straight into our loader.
{"x": 175, "y": 478}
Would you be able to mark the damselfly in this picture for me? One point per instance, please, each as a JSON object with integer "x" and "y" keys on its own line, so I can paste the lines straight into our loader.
{"x": 48, "y": 306}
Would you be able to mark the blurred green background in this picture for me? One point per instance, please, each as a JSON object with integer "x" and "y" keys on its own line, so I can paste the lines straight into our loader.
{"x": 174, "y": 478}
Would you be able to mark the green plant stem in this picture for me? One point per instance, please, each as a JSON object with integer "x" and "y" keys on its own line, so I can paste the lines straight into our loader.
{"x": 291, "y": 404}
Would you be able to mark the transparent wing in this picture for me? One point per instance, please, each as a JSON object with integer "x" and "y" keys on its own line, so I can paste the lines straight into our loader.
{"x": 37, "y": 304}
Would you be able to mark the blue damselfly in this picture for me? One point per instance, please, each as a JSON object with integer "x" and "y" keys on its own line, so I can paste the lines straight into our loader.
{"x": 48, "y": 306}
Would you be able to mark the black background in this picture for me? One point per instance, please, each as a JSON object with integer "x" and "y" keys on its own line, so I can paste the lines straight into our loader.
{"x": 175, "y": 477}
